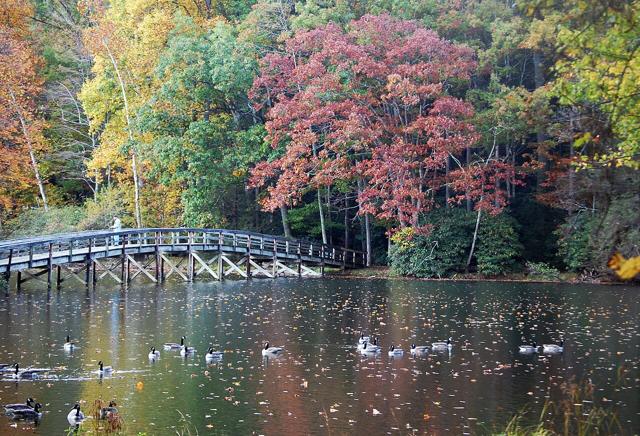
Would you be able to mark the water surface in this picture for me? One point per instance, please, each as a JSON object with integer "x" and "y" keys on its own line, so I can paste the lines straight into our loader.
{"x": 321, "y": 384}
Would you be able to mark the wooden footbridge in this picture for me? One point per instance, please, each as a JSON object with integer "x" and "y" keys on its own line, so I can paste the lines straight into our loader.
{"x": 156, "y": 254}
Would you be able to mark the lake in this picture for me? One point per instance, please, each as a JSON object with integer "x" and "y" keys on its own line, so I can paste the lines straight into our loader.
{"x": 321, "y": 384}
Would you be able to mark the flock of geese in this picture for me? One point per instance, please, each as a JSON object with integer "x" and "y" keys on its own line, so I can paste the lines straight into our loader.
{"x": 32, "y": 410}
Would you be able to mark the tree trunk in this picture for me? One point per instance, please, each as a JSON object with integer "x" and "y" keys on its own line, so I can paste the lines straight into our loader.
{"x": 446, "y": 184}
{"x": 367, "y": 227}
{"x": 468, "y": 159}
{"x": 322, "y": 226}
{"x": 285, "y": 222}
{"x": 32, "y": 155}
{"x": 473, "y": 243}
{"x": 329, "y": 219}
{"x": 346, "y": 221}
{"x": 134, "y": 165}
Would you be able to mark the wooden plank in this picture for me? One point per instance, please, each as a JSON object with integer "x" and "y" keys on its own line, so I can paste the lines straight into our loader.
{"x": 205, "y": 265}
{"x": 141, "y": 269}
{"x": 259, "y": 269}
{"x": 173, "y": 268}
{"x": 232, "y": 268}
{"x": 107, "y": 271}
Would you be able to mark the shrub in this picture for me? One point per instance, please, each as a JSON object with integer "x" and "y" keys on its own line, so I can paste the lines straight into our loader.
{"x": 444, "y": 251}
{"x": 33, "y": 222}
{"x": 100, "y": 212}
{"x": 498, "y": 245}
{"x": 542, "y": 271}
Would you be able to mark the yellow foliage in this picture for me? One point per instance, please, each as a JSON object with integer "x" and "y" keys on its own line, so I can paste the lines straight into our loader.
{"x": 626, "y": 269}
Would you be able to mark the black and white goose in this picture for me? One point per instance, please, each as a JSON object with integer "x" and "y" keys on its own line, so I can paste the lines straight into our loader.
{"x": 104, "y": 370}
{"x": 75, "y": 416}
{"x": 187, "y": 351}
{"x": 28, "y": 414}
{"x": 69, "y": 345}
{"x": 419, "y": 349}
{"x": 16, "y": 406}
{"x": 213, "y": 355}
{"x": 528, "y": 348}
{"x": 154, "y": 354}
{"x": 173, "y": 345}
{"x": 25, "y": 373}
{"x": 442, "y": 346}
{"x": 553, "y": 348}
{"x": 271, "y": 351}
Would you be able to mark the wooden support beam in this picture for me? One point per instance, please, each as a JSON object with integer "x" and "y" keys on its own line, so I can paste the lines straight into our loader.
{"x": 233, "y": 267}
{"x": 204, "y": 266}
{"x": 58, "y": 277}
{"x": 306, "y": 271}
{"x": 107, "y": 270}
{"x": 174, "y": 268}
{"x": 258, "y": 269}
{"x": 140, "y": 269}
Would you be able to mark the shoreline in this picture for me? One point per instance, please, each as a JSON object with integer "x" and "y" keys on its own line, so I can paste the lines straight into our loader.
{"x": 384, "y": 273}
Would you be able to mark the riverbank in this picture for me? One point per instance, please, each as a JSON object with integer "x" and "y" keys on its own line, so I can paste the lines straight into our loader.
{"x": 384, "y": 272}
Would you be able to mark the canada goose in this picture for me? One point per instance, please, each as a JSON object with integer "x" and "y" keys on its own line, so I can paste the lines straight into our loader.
{"x": 69, "y": 345}
{"x": 528, "y": 349}
{"x": 271, "y": 351}
{"x": 363, "y": 338}
{"x": 110, "y": 410}
{"x": 75, "y": 416}
{"x": 25, "y": 373}
{"x": 393, "y": 351}
{"x": 419, "y": 349}
{"x": 16, "y": 406}
{"x": 441, "y": 346}
{"x": 154, "y": 354}
{"x": 553, "y": 348}
{"x": 29, "y": 414}
{"x": 367, "y": 348}
{"x": 186, "y": 351}
{"x": 213, "y": 355}
{"x": 104, "y": 369}
{"x": 173, "y": 345}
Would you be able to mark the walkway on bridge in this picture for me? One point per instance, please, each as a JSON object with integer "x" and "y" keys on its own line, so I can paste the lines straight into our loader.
{"x": 158, "y": 253}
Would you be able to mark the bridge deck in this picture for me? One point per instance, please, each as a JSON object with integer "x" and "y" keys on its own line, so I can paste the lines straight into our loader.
{"x": 47, "y": 251}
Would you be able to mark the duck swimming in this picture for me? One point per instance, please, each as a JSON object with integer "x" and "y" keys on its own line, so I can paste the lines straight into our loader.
{"x": 271, "y": 351}
{"x": 367, "y": 348}
{"x": 104, "y": 369}
{"x": 154, "y": 354}
{"x": 442, "y": 346}
{"x": 419, "y": 349}
{"x": 25, "y": 373}
{"x": 28, "y": 414}
{"x": 213, "y": 355}
{"x": 16, "y": 406}
{"x": 69, "y": 345}
{"x": 528, "y": 349}
{"x": 395, "y": 352}
{"x": 363, "y": 339}
{"x": 173, "y": 345}
{"x": 553, "y": 348}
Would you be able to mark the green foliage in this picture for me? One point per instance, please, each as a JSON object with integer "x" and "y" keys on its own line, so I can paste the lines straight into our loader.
{"x": 498, "y": 245}
{"x": 444, "y": 251}
{"x": 542, "y": 271}
{"x": 573, "y": 244}
{"x": 35, "y": 222}
{"x": 100, "y": 212}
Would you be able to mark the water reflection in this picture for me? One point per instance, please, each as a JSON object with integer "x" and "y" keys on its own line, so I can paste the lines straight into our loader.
{"x": 321, "y": 382}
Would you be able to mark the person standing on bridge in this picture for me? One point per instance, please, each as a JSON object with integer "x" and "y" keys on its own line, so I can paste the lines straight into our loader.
{"x": 116, "y": 227}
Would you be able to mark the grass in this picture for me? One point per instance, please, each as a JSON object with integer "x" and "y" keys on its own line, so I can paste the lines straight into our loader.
{"x": 578, "y": 414}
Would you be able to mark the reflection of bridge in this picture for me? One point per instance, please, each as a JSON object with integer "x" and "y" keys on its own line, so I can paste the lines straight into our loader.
{"x": 158, "y": 253}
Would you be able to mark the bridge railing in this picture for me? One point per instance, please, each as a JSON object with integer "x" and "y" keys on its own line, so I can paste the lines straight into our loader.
{"x": 87, "y": 243}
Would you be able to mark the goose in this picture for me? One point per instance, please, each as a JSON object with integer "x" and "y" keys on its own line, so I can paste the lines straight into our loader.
{"x": 419, "y": 349}
{"x": 69, "y": 345}
{"x": 25, "y": 373}
{"x": 104, "y": 369}
{"x": 110, "y": 410}
{"x": 154, "y": 354}
{"x": 29, "y": 414}
{"x": 186, "y": 351}
{"x": 528, "y": 349}
{"x": 363, "y": 339}
{"x": 553, "y": 348}
{"x": 441, "y": 346}
{"x": 271, "y": 351}
{"x": 213, "y": 355}
{"x": 366, "y": 348}
{"x": 393, "y": 351}
{"x": 173, "y": 345}
{"x": 16, "y": 406}
{"x": 75, "y": 416}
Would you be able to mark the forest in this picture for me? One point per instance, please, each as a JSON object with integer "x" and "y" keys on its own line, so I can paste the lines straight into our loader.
{"x": 443, "y": 137}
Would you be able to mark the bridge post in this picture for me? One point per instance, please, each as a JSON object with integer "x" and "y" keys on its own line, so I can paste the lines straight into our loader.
{"x": 299, "y": 259}
{"x": 49, "y": 261}
{"x": 58, "y": 277}
{"x": 322, "y": 259}
{"x": 19, "y": 281}
{"x": 87, "y": 270}
{"x": 189, "y": 257}
{"x": 248, "y": 263}
{"x": 123, "y": 265}
{"x": 157, "y": 254}
{"x": 7, "y": 274}
{"x": 274, "y": 271}
{"x": 220, "y": 265}
{"x": 94, "y": 276}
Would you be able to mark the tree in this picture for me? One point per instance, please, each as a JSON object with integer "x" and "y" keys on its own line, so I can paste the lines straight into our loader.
{"x": 369, "y": 103}
{"x": 21, "y": 126}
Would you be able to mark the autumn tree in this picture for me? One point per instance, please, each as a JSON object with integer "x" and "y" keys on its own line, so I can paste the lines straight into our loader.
{"x": 21, "y": 123}
{"x": 369, "y": 105}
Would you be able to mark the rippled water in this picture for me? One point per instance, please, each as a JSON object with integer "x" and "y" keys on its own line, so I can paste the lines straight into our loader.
{"x": 320, "y": 384}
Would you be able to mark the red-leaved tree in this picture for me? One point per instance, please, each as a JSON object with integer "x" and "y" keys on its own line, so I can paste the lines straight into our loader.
{"x": 369, "y": 105}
